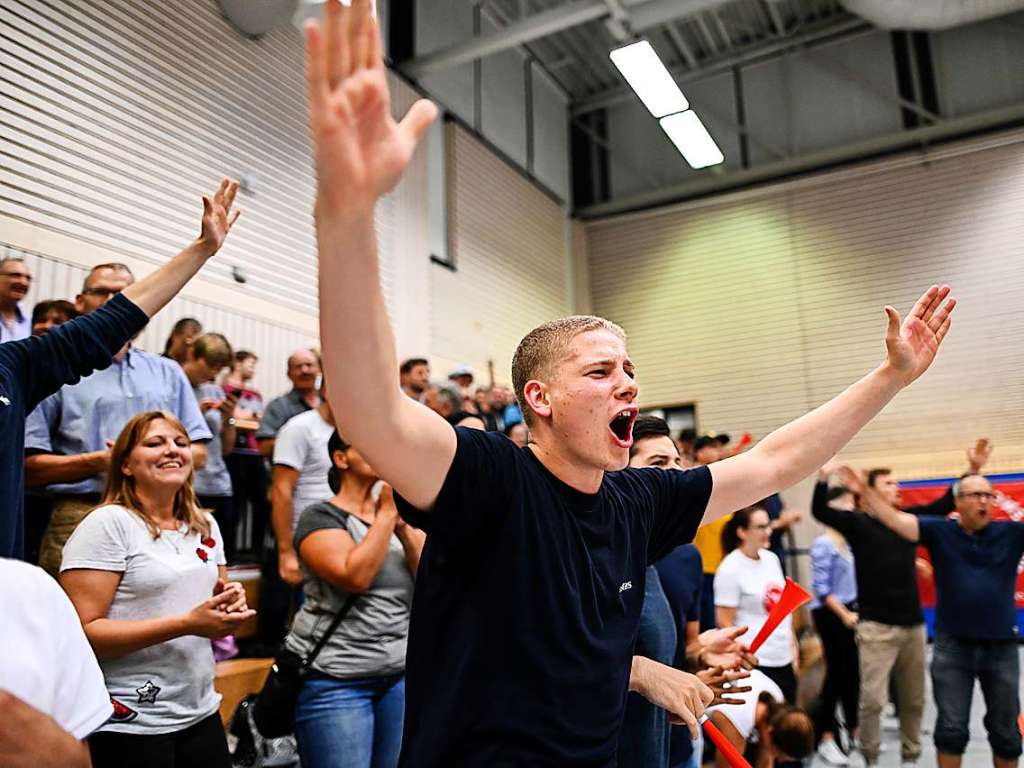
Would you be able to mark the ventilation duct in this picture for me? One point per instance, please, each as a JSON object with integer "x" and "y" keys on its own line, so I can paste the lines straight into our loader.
{"x": 929, "y": 14}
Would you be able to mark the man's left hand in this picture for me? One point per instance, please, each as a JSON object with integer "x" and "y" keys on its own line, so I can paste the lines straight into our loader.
{"x": 911, "y": 346}
{"x": 218, "y": 218}
{"x": 683, "y": 695}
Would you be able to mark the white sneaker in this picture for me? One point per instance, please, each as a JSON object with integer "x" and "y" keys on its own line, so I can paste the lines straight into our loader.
{"x": 830, "y": 752}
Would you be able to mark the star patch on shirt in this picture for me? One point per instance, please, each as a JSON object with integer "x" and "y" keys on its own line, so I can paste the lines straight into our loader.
{"x": 148, "y": 692}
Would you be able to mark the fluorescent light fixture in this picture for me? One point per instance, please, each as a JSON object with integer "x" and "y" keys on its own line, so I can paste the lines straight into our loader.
{"x": 647, "y": 75}
{"x": 692, "y": 139}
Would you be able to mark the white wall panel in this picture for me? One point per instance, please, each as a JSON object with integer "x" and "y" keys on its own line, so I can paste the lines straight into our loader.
{"x": 503, "y": 95}
{"x": 980, "y": 66}
{"x": 439, "y": 24}
{"x": 807, "y": 101}
{"x": 509, "y": 244}
{"x": 269, "y": 340}
{"x": 761, "y": 305}
{"x": 550, "y": 134}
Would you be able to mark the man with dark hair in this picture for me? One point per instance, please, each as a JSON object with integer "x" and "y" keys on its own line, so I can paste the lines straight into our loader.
{"x": 560, "y": 529}
{"x": 975, "y": 561}
{"x": 891, "y": 637}
{"x": 303, "y": 372}
{"x": 32, "y": 369}
{"x": 47, "y": 314}
{"x": 15, "y": 280}
{"x": 184, "y": 332}
{"x": 414, "y": 376}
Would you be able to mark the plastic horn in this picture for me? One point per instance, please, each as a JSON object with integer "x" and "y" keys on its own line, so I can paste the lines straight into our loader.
{"x": 731, "y": 754}
{"x": 793, "y": 596}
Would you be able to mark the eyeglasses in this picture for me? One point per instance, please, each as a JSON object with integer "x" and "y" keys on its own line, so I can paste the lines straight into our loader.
{"x": 979, "y": 495}
{"x": 101, "y": 292}
{"x": 23, "y": 275}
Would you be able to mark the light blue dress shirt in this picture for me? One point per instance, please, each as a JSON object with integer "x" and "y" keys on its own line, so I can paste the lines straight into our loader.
{"x": 832, "y": 572}
{"x": 21, "y": 329}
{"x": 83, "y": 417}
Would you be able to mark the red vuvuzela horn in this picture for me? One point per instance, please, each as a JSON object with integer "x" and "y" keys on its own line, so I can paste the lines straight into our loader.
{"x": 731, "y": 754}
{"x": 793, "y": 596}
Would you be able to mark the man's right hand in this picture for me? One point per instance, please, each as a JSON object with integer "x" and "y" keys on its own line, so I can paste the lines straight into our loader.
{"x": 30, "y": 738}
{"x": 288, "y": 567}
{"x": 360, "y": 152}
{"x": 978, "y": 454}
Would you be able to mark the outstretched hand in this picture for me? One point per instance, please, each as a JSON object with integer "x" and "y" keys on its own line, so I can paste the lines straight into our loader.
{"x": 218, "y": 218}
{"x": 359, "y": 150}
{"x": 911, "y": 346}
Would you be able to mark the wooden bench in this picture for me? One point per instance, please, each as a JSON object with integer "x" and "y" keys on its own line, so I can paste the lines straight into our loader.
{"x": 235, "y": 679}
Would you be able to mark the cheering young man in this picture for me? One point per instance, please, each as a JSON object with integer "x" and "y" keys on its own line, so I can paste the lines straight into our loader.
{"x": 529, "y": 591}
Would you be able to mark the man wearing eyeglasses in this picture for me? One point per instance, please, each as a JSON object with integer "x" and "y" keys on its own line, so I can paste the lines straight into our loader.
{"x": 975, "y": 560}
{"x": 15, "y": 280}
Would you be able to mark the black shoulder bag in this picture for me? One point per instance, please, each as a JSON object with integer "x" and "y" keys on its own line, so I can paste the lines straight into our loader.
{"x": 274, "y": 708}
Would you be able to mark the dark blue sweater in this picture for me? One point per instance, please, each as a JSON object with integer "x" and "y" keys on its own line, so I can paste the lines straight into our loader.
{"x": 34, "y": 368}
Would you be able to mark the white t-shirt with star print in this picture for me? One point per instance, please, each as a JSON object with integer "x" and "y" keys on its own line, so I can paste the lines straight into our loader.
{"x": 169, "y": 686}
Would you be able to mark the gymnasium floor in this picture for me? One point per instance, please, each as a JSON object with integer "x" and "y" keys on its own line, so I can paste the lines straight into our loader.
{"x": 978, "y": 754}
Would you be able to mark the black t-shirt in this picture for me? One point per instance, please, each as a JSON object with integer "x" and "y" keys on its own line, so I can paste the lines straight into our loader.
{"x": 527, "y": 603}
{"x": 885, "y": 569}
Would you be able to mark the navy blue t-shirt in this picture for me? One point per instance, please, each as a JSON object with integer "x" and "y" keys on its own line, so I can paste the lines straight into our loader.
{"x": 975, "y": 577}
{"x": 526, "y": 608}
{"x": 31, "y": 370}
{"x": 682, "y": 575}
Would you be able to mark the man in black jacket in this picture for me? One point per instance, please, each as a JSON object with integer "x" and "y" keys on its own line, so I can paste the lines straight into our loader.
{"x": 891, "y": 636}
{"x": 32, "y": 369}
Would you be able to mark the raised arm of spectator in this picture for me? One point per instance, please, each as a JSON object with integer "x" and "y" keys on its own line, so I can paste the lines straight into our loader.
{"x": 282, "y": 487}
{"x": 902, "y": 523}
{"x": 67, "y": 352}
{"x": 977, "y": 457}
{"x": 795, "y": 450}
{"x": 360, "y": 153}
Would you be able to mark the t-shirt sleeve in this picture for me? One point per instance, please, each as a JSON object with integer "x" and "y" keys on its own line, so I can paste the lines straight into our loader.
{"x": 101, "y": 541}
{"x": 188, "y": 408}
{"x": 81, "y": 701}
{"x": 727, "y": 586}
{"x": 695, "y": 574}
{"x": 318, "y": 517}
{"x": 290, "y": 446}
{"x": 272, "y": 421}
{"x": 941, "y": 507}
{"x": 928, "y": 530}
{"x": 840, "y": 519}
{"x": 476, "y": 491}
{"x": 680, "y": 499}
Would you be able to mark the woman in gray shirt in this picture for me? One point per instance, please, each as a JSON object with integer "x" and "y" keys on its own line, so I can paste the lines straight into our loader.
{"x": 350, "y": 708}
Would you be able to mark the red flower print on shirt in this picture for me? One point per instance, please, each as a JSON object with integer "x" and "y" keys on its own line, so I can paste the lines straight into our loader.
{"x": 772, "y": 595}
{"x": 203, "y": 554}
{"x": 209, "y": 542}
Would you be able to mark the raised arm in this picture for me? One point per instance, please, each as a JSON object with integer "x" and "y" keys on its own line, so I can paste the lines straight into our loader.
{"x": 795, "y": 450}
{"x": 360, "y": 153}
{"x": 902, "y": 523}
{"x": 153, "y": 292}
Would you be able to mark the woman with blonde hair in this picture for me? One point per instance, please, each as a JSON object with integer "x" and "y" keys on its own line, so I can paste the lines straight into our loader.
{"x": 146, "y": 573}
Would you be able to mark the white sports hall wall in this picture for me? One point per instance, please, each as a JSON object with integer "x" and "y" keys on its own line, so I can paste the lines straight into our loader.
{"x": 760, "y": 305}
{"x": 116, "y": 117}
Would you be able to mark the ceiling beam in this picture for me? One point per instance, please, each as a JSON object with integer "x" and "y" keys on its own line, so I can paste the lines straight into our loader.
{"x": 523, "y": 31}
{"x": 848, "y": 27}
{"x": 706, "y": 184}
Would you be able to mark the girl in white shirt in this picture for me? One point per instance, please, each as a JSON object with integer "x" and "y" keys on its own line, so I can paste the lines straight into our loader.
{"x": 146, "y": 574}
{"x": 748, "y": 583}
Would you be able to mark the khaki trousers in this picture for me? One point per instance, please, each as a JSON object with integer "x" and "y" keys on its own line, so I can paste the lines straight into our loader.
{"x": 885, "y": 650}
{"x": 68, "y": 512}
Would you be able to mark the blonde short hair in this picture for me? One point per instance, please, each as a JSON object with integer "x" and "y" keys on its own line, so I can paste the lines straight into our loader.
{"x": 547, "y": 344}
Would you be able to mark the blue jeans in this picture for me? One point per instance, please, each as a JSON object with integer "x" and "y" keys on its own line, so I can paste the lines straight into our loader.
{"x": 955, "y": 665}
{"x": 350, "y": 723}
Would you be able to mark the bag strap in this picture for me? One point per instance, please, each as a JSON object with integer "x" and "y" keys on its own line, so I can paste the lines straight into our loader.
{"x": 335, "y": 622}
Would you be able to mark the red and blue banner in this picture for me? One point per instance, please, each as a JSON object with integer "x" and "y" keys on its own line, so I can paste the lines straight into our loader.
{"x": 1009, "y": 505}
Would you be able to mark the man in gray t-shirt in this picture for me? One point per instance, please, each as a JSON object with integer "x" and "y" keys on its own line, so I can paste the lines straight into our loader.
{"x": 299, "y": 479}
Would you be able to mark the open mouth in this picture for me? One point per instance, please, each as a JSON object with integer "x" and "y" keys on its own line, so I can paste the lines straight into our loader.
{"x": 169, "y": 465}
{"x": 621, "y": 426}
